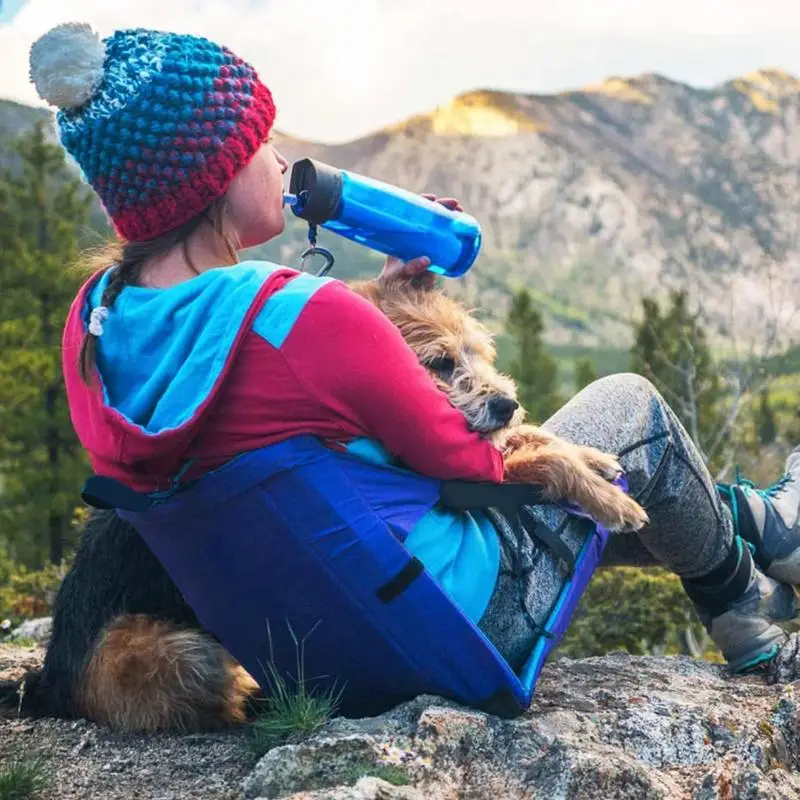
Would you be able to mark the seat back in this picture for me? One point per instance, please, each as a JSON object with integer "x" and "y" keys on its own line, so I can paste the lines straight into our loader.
{"x": 297, "y": 550}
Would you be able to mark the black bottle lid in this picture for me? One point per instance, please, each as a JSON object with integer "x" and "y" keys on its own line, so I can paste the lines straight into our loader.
{"x": 318, "y": 187}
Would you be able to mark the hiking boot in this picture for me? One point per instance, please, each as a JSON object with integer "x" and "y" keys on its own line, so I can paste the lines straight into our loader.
{"x": 749, "y": 631}
{"x": 745, "y": 612}
{"x": 767, "y": 519}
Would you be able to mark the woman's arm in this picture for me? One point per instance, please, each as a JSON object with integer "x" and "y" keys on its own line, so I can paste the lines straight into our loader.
{"x": 357, "y": 365}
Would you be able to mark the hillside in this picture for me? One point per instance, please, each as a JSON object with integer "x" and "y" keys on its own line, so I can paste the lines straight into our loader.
{"x": 592, "y": 197}
{"x": 15, "y": 118}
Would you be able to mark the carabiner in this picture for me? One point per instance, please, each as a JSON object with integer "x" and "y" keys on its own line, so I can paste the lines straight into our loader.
{"x": 318, "y": 251}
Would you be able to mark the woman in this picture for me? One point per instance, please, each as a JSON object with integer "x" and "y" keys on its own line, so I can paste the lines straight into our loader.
{"x": 177, "y": 357}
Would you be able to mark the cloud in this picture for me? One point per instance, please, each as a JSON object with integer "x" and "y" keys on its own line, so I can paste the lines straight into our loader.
{"x": 339, "y": 68}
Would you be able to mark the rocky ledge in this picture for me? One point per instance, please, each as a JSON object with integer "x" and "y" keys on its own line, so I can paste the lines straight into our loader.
{"x": 611, "y": 727}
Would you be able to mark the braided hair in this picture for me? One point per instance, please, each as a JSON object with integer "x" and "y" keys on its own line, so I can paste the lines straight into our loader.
{"x": 130, "y": 258}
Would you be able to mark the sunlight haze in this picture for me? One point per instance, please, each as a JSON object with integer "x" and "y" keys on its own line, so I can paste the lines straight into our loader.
{"x": 342, "y": 68}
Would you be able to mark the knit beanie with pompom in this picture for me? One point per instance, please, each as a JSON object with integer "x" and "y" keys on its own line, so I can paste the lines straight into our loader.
{"x": 159, "y": 123}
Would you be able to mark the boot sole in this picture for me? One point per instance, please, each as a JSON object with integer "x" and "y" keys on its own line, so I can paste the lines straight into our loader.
{"x": 765, "y": 650}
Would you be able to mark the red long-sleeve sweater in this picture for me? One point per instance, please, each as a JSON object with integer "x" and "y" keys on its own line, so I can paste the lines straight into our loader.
{"x": 247, "y": 356}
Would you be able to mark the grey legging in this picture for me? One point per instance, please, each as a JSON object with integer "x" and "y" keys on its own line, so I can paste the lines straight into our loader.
{"x": 690, "y": 530}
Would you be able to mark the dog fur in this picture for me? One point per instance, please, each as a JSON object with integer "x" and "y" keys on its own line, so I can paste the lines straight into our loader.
{"x": 145, "y": 673}
{"x": 128, "y": 652}
{"x": 441, "y": 333}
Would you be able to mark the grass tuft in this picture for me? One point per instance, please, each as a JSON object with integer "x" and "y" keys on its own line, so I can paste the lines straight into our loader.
{"x": 22, "y": 641}
{"x": 22, "y": 779}
{"x": 293, "y": 709}
{"x": 390, "y": 773}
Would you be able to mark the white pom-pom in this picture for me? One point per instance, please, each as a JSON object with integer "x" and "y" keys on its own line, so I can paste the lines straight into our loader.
{"x": 67, "y": 64}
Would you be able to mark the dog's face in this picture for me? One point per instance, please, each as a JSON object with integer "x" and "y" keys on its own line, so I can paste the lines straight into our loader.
{"x": 455, "y": 348}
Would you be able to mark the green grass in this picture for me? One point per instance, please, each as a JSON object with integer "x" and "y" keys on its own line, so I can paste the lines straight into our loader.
{"x": 22, "y": 779}
{"x": 23, "y": 641}
{"x": 784, "y": 392}
{"x": 289, "y": 715}
{"x": 397, "y": 776}
{"x": 293, "y": 709}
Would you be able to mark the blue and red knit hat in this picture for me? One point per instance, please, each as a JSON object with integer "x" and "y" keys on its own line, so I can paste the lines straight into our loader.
{"x": 160, "y": 123}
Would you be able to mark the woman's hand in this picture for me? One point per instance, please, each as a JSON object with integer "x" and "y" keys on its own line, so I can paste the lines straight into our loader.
{"x": 416, "y": 270}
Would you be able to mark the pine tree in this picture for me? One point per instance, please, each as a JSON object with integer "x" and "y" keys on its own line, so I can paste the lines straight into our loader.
{"x": 533, "y": 368}
{"x": 670, "y": 349}
{"x": 42, "y": 208}
{"x": 585, "y": 373}
{"x": 765, "y": 419}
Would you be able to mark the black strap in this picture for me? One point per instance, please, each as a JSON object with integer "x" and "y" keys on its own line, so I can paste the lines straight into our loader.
{"x": 715, "y": 591}
{"x": 105, "y": 493}
{"x": 548, "y": 538}
{"x": 397, "y": 585}
{"x": 475, "y": 495}
{"x": 508, "y": 498}
{"x": 512, "y": 501}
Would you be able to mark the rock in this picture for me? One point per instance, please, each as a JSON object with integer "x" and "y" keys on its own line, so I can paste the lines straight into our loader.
{"x": 737, "y": 781}
{"x": 621, "y": 727}
{"x": 288, "y": 769}
{"x": 37, "y": 630}
{"x": 365, "y": 789}
{"x": 612, "y": 727}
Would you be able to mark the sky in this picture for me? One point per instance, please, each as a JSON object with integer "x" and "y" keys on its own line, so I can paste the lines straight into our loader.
{"x": 340, "y": 69}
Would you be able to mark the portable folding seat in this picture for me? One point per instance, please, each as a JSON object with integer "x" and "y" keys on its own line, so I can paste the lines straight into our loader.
{"x": 293, "y": 555}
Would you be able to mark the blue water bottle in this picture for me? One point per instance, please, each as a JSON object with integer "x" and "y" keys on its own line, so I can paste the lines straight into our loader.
{"x": 383, "y": 217}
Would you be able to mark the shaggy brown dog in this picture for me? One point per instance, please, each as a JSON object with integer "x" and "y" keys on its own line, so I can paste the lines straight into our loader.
{"x": 459, "y": 353}
{"x": 153, "y": 667}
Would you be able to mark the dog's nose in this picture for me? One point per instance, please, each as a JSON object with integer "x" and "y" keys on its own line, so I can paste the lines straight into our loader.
{"x": 503, "y": 408}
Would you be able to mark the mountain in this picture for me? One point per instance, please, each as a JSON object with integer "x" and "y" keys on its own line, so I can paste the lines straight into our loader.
{"x": 635, "y": 185}
{"x": 592, "y": 197}
{"x": 16, "y": 118}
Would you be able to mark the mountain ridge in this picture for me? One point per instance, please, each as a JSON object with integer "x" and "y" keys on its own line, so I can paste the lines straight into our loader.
{"x": 598, "y": 195}
{"x": 773, "y": 81}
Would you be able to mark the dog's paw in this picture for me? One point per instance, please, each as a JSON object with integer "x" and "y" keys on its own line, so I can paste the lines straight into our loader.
{"x": 631, "y": 518}
{"x": 604, "y": 464}
{"x": 524, "y": 436}
{"x": 615, "y": 510}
